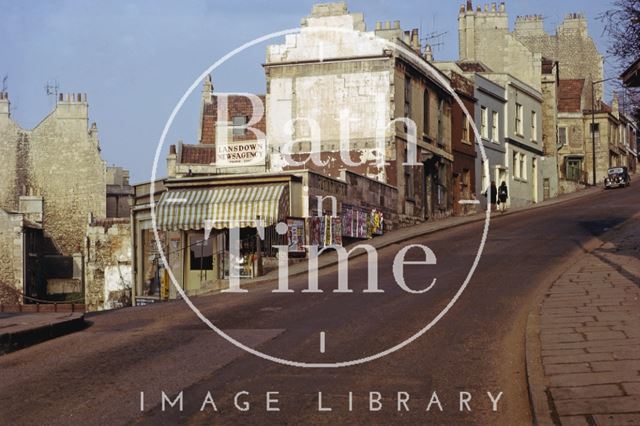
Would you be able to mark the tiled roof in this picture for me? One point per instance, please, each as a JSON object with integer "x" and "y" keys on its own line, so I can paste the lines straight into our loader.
{"x": 197, "y": 154}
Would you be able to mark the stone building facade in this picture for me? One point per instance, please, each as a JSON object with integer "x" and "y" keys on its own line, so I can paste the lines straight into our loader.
{"x": 335, "y": 72}
{"x": 12, "y": 260}
{"x": 108, "y": 264}
{"x": 484, "y": 36}
{"x": 53, "y": 183}
{"x": 463, "y": 139}
{"x": 524, "y": 153}
{"x": 571, "y": 46}
{"x": 59, "y": 160}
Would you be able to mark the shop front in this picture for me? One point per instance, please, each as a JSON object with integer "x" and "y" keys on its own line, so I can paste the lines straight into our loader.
{"x": 193, "y": 225}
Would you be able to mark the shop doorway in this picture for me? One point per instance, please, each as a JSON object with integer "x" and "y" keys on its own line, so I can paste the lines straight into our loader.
{"x": 200, "y": 269}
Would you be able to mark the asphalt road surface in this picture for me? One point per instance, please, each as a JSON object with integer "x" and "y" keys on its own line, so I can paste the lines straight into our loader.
{"x": 96, "y": 376}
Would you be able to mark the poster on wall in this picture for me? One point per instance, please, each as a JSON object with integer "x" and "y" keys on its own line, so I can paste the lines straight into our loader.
{"x": 336, "y": 231}
{"x": 295, "y": 235}
{"x": 377, "y": 222}
{"x": 326, "y": 223}
{"x": 314, "y": 231}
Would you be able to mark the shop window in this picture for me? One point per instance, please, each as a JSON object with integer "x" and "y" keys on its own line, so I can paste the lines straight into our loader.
{"x": 201, "y": 252}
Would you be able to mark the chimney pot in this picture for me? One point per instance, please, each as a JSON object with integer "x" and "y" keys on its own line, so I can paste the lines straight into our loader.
{"x": 396, "y": 24}
{"x": 378, "y": 25}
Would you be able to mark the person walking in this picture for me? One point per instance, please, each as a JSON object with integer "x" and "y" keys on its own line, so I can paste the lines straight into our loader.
{"x": 503, "y": 196}
{"x": 492, "y": 194}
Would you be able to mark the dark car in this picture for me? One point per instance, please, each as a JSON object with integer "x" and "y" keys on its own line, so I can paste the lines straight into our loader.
{"x": 617, "y": 177}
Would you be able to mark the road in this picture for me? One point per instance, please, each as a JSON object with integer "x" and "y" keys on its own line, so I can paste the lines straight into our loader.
{"x": 96, "y": 376}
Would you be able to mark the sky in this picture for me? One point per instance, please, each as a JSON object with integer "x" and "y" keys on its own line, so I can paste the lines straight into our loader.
{"x": 135, "y": 59}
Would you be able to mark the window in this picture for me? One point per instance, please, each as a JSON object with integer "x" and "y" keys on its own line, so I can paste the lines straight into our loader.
{"x": 562, "y": 136}
{"x": 407, "y": 97}
{"x": 519, "y": 126}
{"x": 239, "y": 122}
{"x": 484, "y": 123}
{"x": 523, "y": 166}
{"x": 440, "y": 136}
{"x": 534, "y": 126}
{"x": 595, "y": 128}
{"x": 515, "y": 164}
{"x": 465, "y": 128}
{"x": 494, "y": 126}
{"x": 573, "y": 169}
{"x": 426, "y": 104}
{"x": 409, "y": 189}
{"x": 466, "y": 184}
{"x": 201, "y": 252}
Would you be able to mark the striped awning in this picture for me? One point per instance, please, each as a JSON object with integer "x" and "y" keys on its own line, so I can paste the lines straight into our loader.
{"x": 222, "y": 207}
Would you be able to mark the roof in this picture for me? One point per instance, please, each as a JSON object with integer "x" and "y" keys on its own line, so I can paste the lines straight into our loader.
{"x": 570, "y": 95}
{"x": 197, "y": 154}
{"x": 631, "y": 76}
{"x": 473, "y": 66}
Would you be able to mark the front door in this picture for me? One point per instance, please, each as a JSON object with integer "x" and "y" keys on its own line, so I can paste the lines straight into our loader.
{"x": 200, "y": 262}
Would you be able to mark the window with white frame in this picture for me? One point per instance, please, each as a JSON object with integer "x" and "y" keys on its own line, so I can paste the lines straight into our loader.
{"x": 239, "y": 124}
{"x": 515, "y": 164}
{"x": 495, "y": 137}
{"x": 519, "y": 118}
{"x": 523, "y": 167}
{"x": 484, "y": 123}
{"x": 534, "y": 126}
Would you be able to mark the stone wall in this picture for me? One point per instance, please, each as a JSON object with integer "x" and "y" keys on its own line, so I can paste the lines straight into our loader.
{"x": 484, "y": 36}
{"x": 60, "y": 161}
{"x": 11, "y": 258}
{"x": 108, "y": 264}
{"x": 571, "y": 46}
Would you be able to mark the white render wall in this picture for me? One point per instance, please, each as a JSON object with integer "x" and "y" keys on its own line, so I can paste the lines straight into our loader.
{"x": 338, "y": 70}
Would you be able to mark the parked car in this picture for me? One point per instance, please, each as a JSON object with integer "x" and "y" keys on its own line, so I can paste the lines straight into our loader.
{"x": 617, "y": 177}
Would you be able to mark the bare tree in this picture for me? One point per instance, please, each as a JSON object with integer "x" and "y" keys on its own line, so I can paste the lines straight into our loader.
{"x": 622, "y": 23}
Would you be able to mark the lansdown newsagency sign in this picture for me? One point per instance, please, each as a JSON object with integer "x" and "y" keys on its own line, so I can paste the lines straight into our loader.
{"x": 235, "y": 153}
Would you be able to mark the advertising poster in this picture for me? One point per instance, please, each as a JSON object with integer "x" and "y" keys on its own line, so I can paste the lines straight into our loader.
{"x": 295, "y": 235}
{"x": 377, "y": 222}
{"x": 336, "y": 231}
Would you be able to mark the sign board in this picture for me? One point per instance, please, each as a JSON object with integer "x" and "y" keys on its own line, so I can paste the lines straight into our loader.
{"x": 240, "y": 153}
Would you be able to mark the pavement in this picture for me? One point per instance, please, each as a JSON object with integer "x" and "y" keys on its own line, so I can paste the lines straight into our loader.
{"x": 583, "y": 353}
{"x": 20, "y": 330}
{"x": 404, "y": 234}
